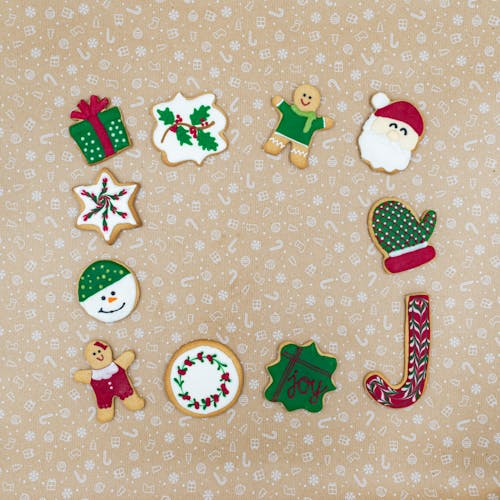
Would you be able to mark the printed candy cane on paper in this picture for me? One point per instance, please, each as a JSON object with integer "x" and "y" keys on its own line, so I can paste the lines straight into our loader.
{"x": 417, "y": 346}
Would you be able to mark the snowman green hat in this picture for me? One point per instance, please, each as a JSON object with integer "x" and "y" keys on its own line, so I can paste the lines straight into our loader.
{"x": 99, "y": 275}
{"x": 108, "y": 290}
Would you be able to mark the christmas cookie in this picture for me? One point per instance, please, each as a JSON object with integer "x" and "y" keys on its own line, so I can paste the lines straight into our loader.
{"x": 390, "y": 134}
{"x": 109, "y": 380}
{"x": 108, "y": 290}
{"x": 107, "y": 206}
{"x": 300, "y": 377}
{"x": 203, "y": 378}
{"x": 297, "y": 124}
{"x": 189, "y": 129}
{"x": 417, "y": 346}
{"x": 400, "y": 235}
{"x": 101, "y": 132}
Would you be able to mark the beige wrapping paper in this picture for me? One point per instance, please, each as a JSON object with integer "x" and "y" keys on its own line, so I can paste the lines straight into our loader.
{"x": 249, "y": 250}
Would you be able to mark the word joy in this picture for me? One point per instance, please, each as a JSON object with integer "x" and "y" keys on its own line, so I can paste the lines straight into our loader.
{"x": 304, "y": 385}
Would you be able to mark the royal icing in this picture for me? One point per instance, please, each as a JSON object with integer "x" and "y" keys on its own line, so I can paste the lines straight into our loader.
{"x": 101, "y": 132}
{"x": 189, "y": 129}
{"x": 107, "y": 206}
{"x": 203, "y": 378}
{"x": 300, "y": 377}
{"x": 298, "y": 122}
{"x": 400, "y": 235}
{"x": 390, "y": 134}
{"x": 108, "y": 379}
{"x": 108, "y": 291}
{"x": 417, "y": 347}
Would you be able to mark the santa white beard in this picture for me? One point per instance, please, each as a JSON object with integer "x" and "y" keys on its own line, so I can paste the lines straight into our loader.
{"x": 380, "y": 152}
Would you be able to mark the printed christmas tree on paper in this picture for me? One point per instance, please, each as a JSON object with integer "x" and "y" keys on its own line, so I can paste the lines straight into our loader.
{"x": 189, "y": 129}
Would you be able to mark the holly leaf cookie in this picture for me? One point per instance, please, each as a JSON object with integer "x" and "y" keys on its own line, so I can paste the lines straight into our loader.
{"x": 107, "y": 206}
{"x": 300, "y": 377}
{"x": 189, "y": 129}
{"x": 400, "y": 235}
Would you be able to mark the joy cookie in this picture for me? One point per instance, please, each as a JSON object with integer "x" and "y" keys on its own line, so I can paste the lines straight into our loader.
{"x": 297, "y": 124}
{"x": 108, "y": 290}
{"x": 417, "y": 347}
{"x": 203, "y": 378}
{"x": 300, "y": 377}
{"x": 101, "y": 132}
{"x": 109, "y": 380}
{"x": 189, "y": 129}
{"x": 390, "y": 134}
{"x": 107, "y": 206}
{"x": 400, "y": 235}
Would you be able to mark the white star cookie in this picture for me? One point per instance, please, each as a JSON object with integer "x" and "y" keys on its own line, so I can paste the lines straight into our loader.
{"x": 107, "y": 206}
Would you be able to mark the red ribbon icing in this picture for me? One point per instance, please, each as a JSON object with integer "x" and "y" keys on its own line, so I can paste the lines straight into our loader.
{"x": 88, "y": 111}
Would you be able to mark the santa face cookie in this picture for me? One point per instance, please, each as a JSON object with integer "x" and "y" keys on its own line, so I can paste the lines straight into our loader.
{"x": 189, "y": 129}
{"x": 108, "y": 291}
{"x": 203, "y": 378}
{"x": 107, "y": 206}
{"x": 390, "y": 134}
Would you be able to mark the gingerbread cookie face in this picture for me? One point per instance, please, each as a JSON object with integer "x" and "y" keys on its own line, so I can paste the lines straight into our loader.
{"x": 417, "y": 350}
{"x": 189, "y": 129}
{"x": 307, "y": 98}
{"x": 109, "y": 379}
{"x": 400, "y": 235}
{"x": 390, "y": 134}
{"x": 108, "y": 291}
{"x": 203, "y": 378}
{"x": 107, "y": 206}
{"x": 100, "y": 133}
{"x": 300, "y": 377}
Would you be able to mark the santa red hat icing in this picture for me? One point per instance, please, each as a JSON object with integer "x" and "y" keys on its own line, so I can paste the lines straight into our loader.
{"x": 402, "y": 111}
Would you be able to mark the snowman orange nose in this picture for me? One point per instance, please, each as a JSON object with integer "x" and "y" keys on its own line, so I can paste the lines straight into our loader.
{"x": 112, "y": 299}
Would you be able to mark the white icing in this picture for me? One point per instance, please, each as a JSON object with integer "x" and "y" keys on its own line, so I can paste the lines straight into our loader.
{"x": 380, "y": 152}
{"x": 122, "y": 205}
{"x": 379, "y": 100}
{"x": 105, "y": 373}
{"x": 203, "y": 379}
{"x": 396, "y": 253}
{"x": 126, "y": 291}
{"x": 179, "y": 105}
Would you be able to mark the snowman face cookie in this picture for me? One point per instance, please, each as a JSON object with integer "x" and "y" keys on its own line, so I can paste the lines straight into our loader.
{"x": 108, "y": 291}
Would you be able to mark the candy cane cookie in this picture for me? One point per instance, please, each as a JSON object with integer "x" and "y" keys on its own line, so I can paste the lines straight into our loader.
{"x": 417, "y": 346}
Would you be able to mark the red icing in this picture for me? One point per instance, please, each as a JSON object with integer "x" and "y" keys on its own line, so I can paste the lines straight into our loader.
{"x": 106, "y": 389}
{"x": 409, "y": 260}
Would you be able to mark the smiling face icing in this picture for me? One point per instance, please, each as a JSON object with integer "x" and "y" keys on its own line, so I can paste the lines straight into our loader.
{"x": 306, "y": 98}
{"x": 108, "y": 291}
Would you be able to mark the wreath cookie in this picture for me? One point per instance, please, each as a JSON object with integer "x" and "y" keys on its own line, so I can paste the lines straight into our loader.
{"x": 203, "y": 378}
{"x": 107, "y": 206}
{"x": 189, "y": 129}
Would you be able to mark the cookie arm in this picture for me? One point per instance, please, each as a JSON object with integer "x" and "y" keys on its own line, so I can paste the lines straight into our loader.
{"x": 83, "y": 376}
{"x": 277, "y": 100}
{"x": 328, "y": 122}
{"x": 125, "y": 359}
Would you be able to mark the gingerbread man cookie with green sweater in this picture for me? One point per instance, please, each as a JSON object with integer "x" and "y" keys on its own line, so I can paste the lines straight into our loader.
{"x": 297, "y": 124}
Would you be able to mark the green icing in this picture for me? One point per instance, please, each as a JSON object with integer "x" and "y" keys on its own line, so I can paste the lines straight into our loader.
{"x": 395, "y": 226}
{"x": 88, "y": 141}
{"x": 99, "y": 275}
{"x": 301, "y": 377}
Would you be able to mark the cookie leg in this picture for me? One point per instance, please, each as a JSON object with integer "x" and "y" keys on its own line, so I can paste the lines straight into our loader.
{"x": 134, "y": 402}
{"x": 106, "y": 414}
{"x": 299, "y": 154}
{"x": 275, "y": 144}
